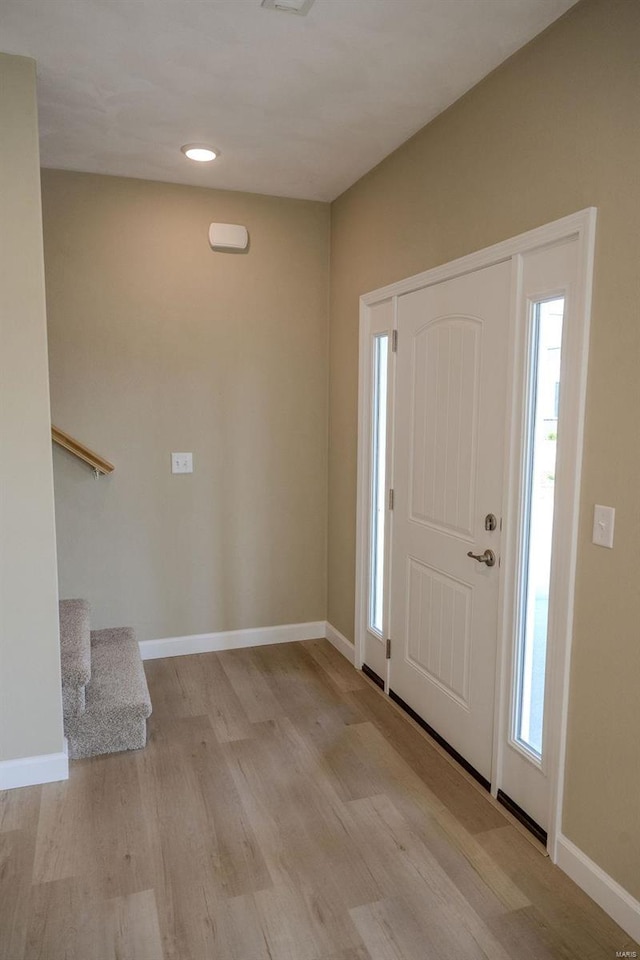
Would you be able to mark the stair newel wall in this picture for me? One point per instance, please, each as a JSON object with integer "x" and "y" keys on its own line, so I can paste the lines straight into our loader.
{"x": 31, "y": 737}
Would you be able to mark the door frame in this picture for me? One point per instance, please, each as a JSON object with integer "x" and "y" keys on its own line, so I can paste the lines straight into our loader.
{"x": 365, "y": 447}
{"x": 580, "y": 226}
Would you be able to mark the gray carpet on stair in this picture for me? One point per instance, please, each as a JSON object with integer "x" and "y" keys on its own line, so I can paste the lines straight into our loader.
{"x": 75, "y": 645}
{"x": 75, "y": 654}
{"x": 117, "y": 698}
{"x": 73, "y": 701}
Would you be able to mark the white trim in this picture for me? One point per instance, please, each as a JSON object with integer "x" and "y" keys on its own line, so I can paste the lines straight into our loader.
{"x": 340, "y": 642}
{"x": 569, "y": 530}
{"x": 607, "y": 893}
{"x": 553, "y": 232}
{"x": 367, "y": 330}
{"x": 230, "y": 640}
{"x": 363, "y": 478}
{"x": 506, "y": 597}
{"x": 30, "y": 771}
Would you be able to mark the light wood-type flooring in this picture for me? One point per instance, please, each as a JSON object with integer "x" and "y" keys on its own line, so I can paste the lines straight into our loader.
{"x": 283, "y": 809}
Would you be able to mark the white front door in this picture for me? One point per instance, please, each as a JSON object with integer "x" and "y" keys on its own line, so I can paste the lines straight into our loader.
{"x": 448, "y": 473}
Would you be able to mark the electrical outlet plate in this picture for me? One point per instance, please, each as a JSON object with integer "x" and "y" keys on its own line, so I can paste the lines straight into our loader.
{"x": 181, "y": 463}
{"x": 603, "y": 523}
{"x": 300, "y": 7}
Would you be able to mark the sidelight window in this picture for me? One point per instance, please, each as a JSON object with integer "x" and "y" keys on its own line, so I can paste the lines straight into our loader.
{"x": 378, "y": 481}
{"x": 537, "y": 521}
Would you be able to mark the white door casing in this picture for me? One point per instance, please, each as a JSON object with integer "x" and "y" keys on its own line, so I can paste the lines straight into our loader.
{"x": 580, "y": 227}
{"x": 381, "y": 323}
{"x": 448, "y": 463}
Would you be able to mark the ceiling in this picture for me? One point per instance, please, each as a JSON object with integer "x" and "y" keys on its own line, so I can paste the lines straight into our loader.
{"x": 298, "y": 106}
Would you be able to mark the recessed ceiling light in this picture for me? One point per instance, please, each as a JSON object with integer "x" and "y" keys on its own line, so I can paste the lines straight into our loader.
{"x": 301, "y": 7}
{"x": 197, "y": 151}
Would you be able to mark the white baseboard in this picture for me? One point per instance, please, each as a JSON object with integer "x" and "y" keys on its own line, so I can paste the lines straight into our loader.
{"x": 230, "y": 640}
{"x": 30, "y": 771}
{"x": 341, "y": 643}
{"x": 602, "y": 888}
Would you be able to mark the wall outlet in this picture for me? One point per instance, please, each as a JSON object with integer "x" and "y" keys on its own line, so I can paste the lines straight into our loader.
{"x": 181, "y": 463}
{"x": 603, "y": 523}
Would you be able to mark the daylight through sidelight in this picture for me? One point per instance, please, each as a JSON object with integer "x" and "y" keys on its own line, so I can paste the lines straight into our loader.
{"x": 540, "y": 468}
{"x": 378, "y": 481}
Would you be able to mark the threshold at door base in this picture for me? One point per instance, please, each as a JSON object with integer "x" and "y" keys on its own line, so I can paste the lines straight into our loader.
{"x": 523, "y": 817}
{"x": 441, "y": 741}
{"x": 368, "y": 672}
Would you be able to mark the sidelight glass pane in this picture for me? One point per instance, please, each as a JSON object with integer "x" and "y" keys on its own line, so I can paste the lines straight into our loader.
{"x": 378, "y": 481}
{"x": 544, "y": 391}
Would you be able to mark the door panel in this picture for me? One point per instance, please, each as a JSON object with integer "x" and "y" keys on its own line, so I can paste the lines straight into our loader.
{"x": 438, "y": 636}
{"x": 448, "y": 468}
{"x": 444, "y": 435}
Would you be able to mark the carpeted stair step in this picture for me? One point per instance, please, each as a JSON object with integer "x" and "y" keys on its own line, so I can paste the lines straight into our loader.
{"x": 75, "y": 655}
{"x": 117, "y": 698}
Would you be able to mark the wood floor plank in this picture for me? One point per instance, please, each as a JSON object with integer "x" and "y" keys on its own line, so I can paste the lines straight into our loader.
{"x": 167, "y": 695}
{"x": 202, "y": 833}
{"x": 19, "y": 809}
{"x": 391, "y": 930}
{"x": 66, "y": 922}
{"x": 204, "y": 850}
{"x": 444, "y": 780}
{"x": 420, "y": 806}
{"x": 299, "y": 684}
{"x": 362, "y": 763}
{"x": 351, "y": 953}
{"x": 19, "y": 812}
{"x": 202, "y": 925}
{"x": 189, "y": 919}
{"x": 132, "y": 928}
{"x": 525, "y": 934}
{"x": 578, "y": 924}
{"x": 63, "y": 841}
{"x": 250, "y": 685}
{"x": 297, "y": 816}
{"x": 305, "y": 922}
{"x": 282, "y": 809}
{"x": 92, "y": 827}
{"x": 243, "y": 933}
{"x": 342, "y": 674}
{"x": 17, "y": 850}
{"x": 401, "y": 861}
{"x": 195, "y": 686}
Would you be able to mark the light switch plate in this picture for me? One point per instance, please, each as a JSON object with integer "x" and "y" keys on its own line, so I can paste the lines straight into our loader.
{"x": 181, "y": 463}
{"x": 603, "y": 524}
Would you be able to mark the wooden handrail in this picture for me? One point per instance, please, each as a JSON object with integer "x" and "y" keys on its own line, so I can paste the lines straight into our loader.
{"x": 99, "y": 464}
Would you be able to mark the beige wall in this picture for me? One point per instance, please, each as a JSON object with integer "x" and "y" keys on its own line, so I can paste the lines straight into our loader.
{"x": 158, "y": 344}
{"x": 30, "y": 698}
{"x": 556, "y": 129}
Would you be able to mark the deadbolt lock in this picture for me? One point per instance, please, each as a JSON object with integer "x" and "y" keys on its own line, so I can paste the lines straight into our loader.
{"x": 490, "y": 522}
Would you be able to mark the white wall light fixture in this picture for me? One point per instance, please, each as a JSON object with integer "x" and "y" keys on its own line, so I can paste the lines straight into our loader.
{"x": 200, "y": 152}
{"x": 301, "y": 7}
{"x": 228, "y": 236}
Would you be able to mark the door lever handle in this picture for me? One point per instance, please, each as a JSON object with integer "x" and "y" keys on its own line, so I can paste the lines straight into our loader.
{"x": 487, "y": 557}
